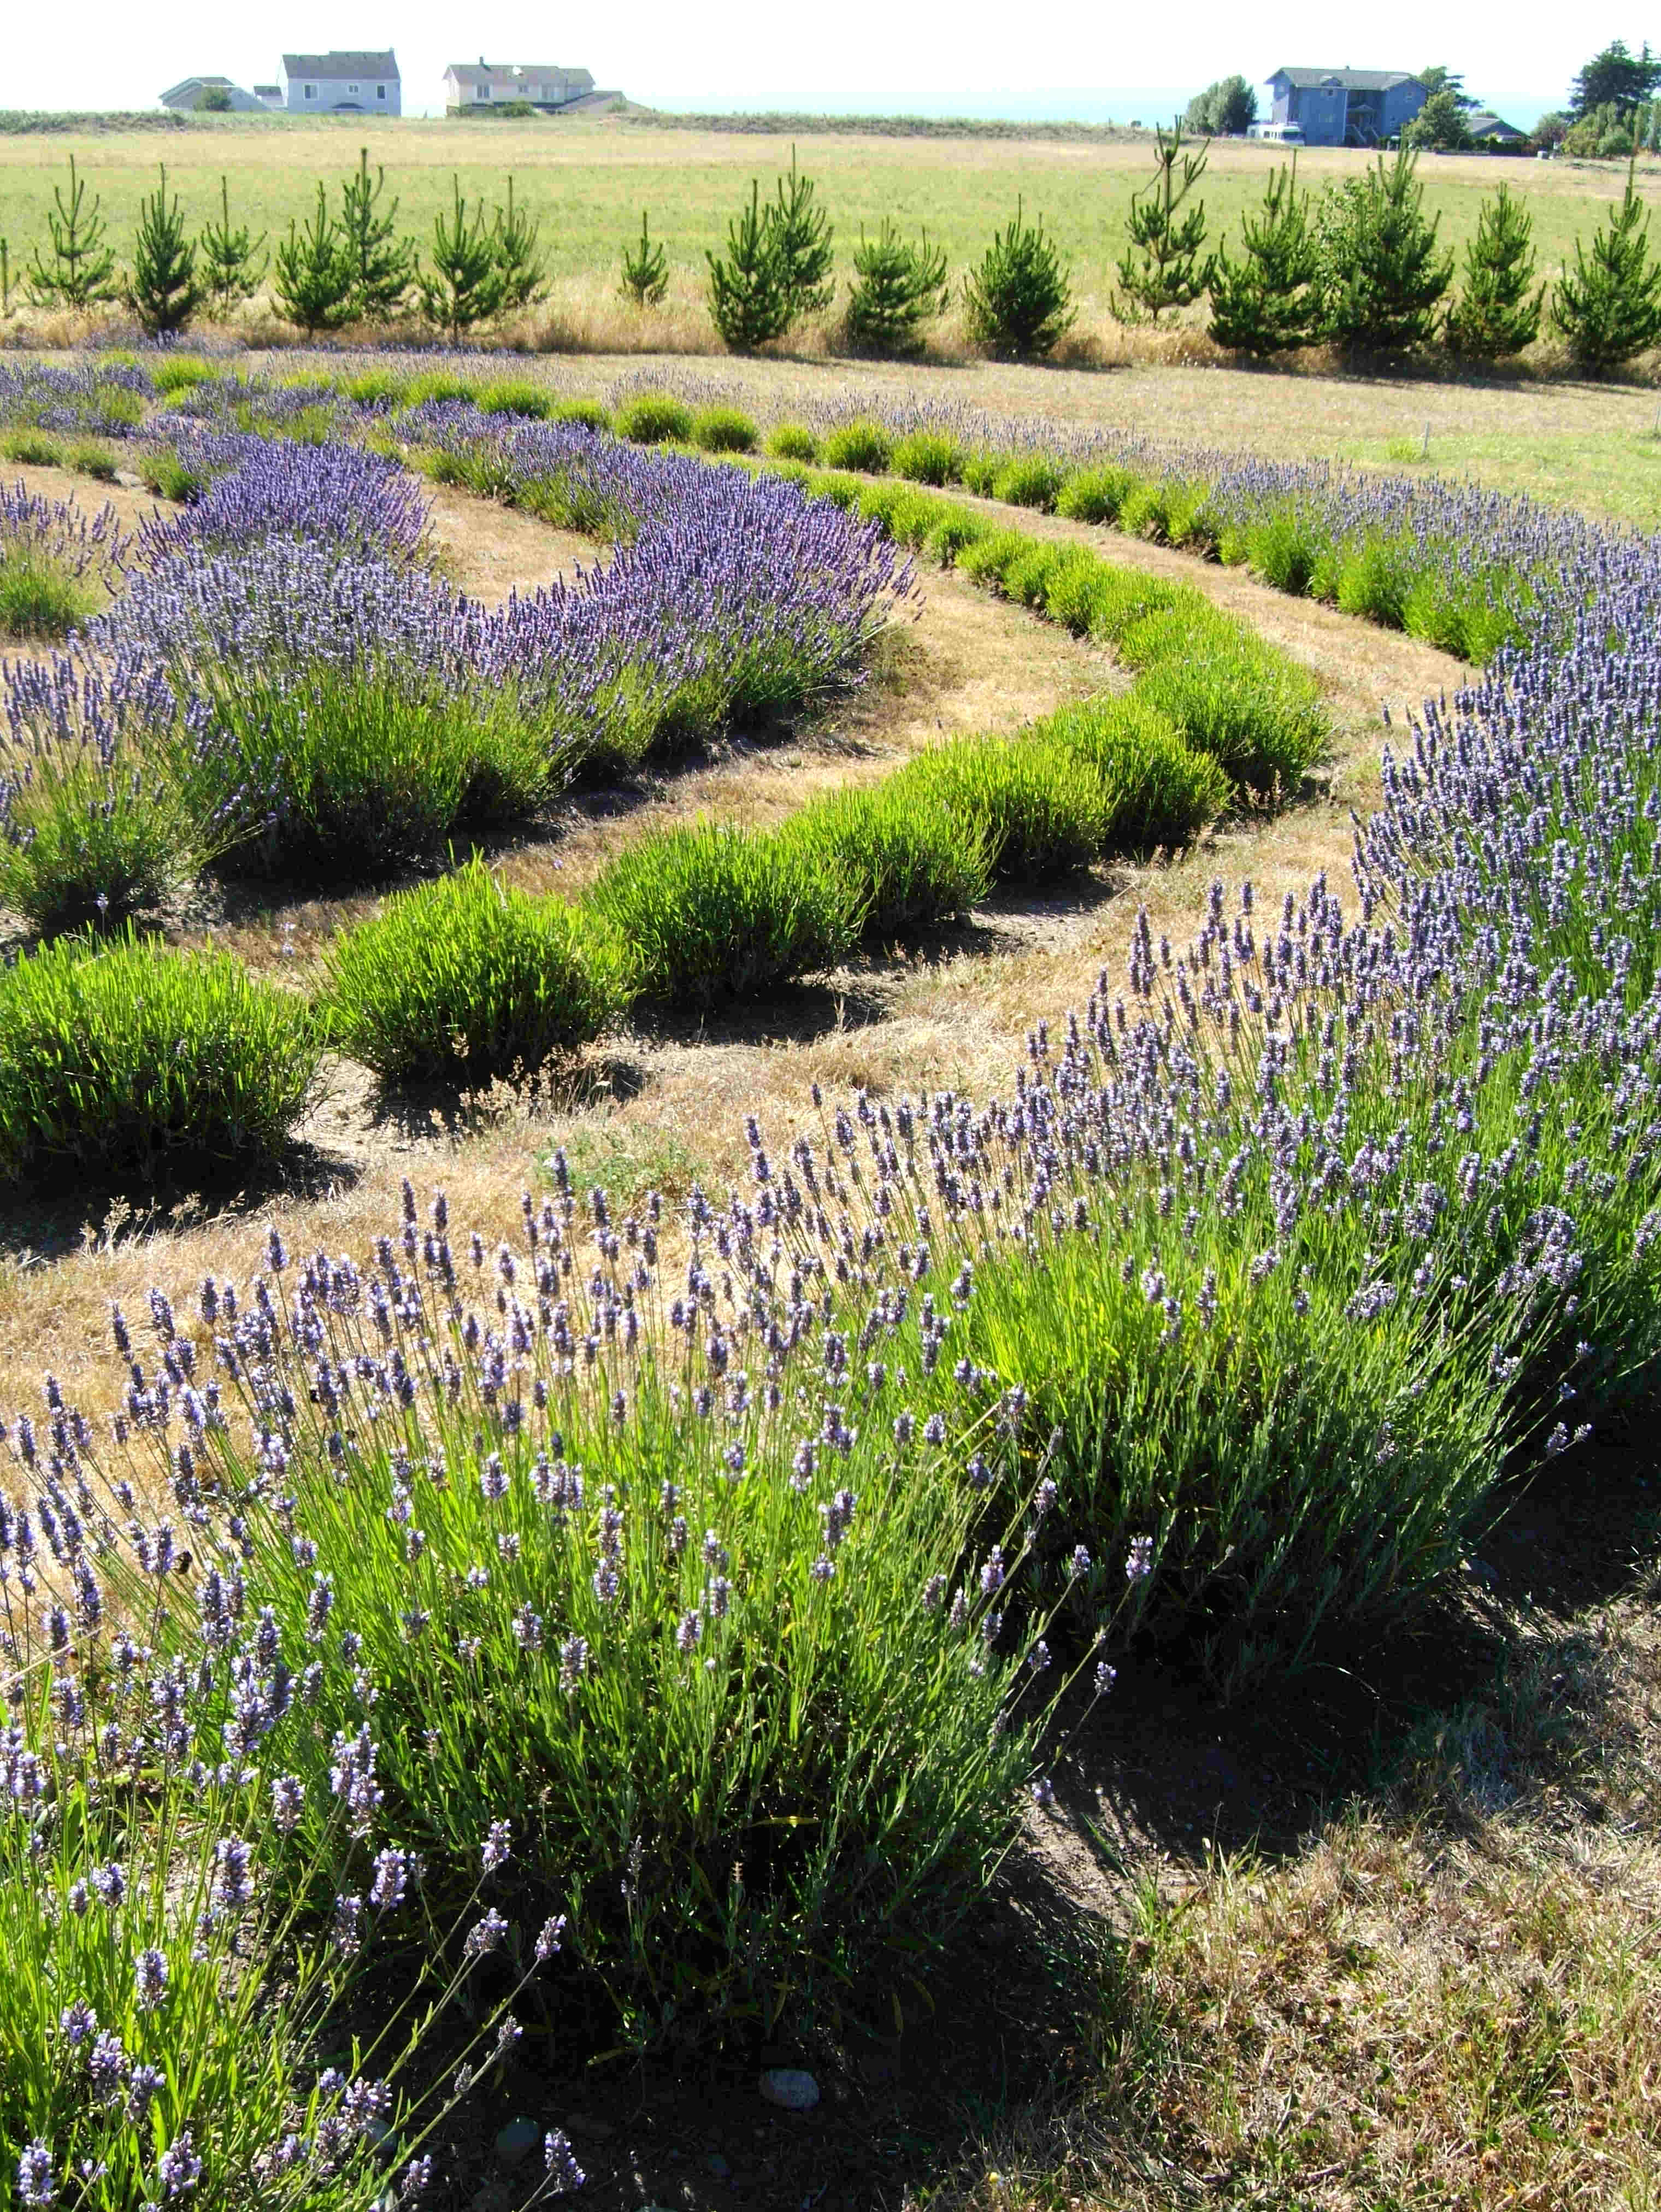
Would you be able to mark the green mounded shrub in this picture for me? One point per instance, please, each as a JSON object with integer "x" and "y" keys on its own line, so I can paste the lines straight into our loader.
{"x": 718, "y": 912}
{"x": 516, "y": 395}
{"x": 590, "y": 413}
{"x": 861, "y": 445}
{"x": 1374, "y": 579}
{"x": 1257, "y": 713}
{"x": 1026, "y": 579}
{"x": 1280, "y": 551}
{"x": 913, "y": 863}
{"x": 836, "y": 485}
{"x": 179, "y": 372}
{"x": 31, "y": 449}
{"x": 1159, "y": 790}
{"x": 956, "y": 530}
{"x": 724, "y": 431}
{"x": 914, "y": 517}
{"x": 82, "y": 847}
{"x": 654, "y": 418}
{"x": 1144, "y": 512}
{"x": 1110, "y": 601}
{"x": 469, "y": 979}
{"x": 165, "y": 476}
{"x": 439, "y": 383}
{"x": 377, "y": 387}
{"x": 882, "y": 502}
{"x": 40, "y": 597}
{"x": 928, "y": 457}
{"x": 1038, "y": 810}
{"x": 1029, "y": 480}
{"x": 132, "y": 1060}
{"x": 356, "y": 774}
{"x": 1187, "y": 626}
{"x": 1094, "y": 494}
{"x": 1190, "y": 521}
{"x": 792, "y": 441}
{"x": 90, "y": 459}
{"x": 985, "y": 559}
{"x": 981, "y": 471}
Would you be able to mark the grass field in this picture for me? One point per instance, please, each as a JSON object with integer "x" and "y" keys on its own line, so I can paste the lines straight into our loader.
{"x": 590, "y": 181}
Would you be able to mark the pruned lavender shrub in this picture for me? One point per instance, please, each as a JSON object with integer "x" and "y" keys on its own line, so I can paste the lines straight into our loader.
{"x": 1037, "y": 811}
{"x": 913, "y": 863}
{"x": 58, "y": 564}
{"x": 469, "y": 980}
{"x": 1160, "y": 791}
{"x": 134, "y": 1061}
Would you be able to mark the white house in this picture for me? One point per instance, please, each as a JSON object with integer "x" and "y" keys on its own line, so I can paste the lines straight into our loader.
{"x": 341, "y": 84}
{"x": 269, "y": 96}
{"x": 543, "y": 84}
{"x": 185, "y": 97}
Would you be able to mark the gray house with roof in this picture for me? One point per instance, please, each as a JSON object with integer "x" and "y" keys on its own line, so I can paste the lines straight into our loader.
{"x": 543, "y": 84}
{"x": 1346, "y": 106}
{"x": 354, "y": 83}
{"x": 185, "y": 97}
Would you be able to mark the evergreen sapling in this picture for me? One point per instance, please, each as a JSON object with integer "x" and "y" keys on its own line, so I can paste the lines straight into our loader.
{"x": 644, "y": 269}
{"x": 1161, "y": 266}
{"x": 1017, "y": 299}
{"x": 383, "y": 266}
{"x": 1385, "y": 278}
{"x": 80, "y": 273}
{"x": 1270, "y": 300}
{"x": 163, "y": 290}
{"x": 520, "y": 270}
{"x": 233, "y": 261}
{"x": 748, "y": 297}
{"x": 313, "y": 276}
{"x": 1609, "y": 305}
{"x": 897, "y": 287}
{"x": 1498, "y": 312}
{"x": 465, "y": 285}
{"x": 802, "y": 239}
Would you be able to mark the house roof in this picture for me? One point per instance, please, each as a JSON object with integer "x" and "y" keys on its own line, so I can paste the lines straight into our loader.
{"x": 1483, "y": 123}
{"x": 198, "y": 83}
{"x": 355, "y": 63}
{"x": 481, "y": 72}
{"x": 260, "y": 88}
{"x": 1351, "y": 80}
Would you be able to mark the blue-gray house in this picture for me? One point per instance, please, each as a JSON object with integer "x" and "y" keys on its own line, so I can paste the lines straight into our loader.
{"x": 1346, "y": 106}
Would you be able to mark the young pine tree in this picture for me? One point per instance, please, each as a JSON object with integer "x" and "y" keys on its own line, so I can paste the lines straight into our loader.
{"x": 1384, "y": 276}
{"x": 748, "y": 295}
{"x": 465, "y": 285}
{"x": 803, "y": 240}
{"x": 163, "y": 291}
{"x": 233, "y": 261}
{"x": 1497, "y": 311}
{"x": 897, "y": 287}
{"x": 1270, "y": 300}
{"x": 313, "y": 276}
{"x": 1017, "y": 299}
{"x": 1609, "y": 305}
{"x": 644, "y": 269}
{"x": 383, "y": 265}
{"x": 1161, "y": 266}
{"x": 81, "y": 270}
{"x": 520, "y": 268}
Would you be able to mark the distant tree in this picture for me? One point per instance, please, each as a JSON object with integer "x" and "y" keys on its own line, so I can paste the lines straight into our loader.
{"x": 804, "y": 243}
{"x": 383, "y": 265}
{"x": 1227, "y": 109}
{"x": 213, "y": 99}
{"x": 80, "y": 271}
{"x": 313, "y": 275}
{"x": 1614, "y": 78}
{"x": 1608, "y": 133}
{"x": 1499, "y": 308}
{"x": 1382, "y": 276}
{"x": 1017, "y": 299}
{"x": 521, "y": 269}
{"x": 748, "y": 296}
{"x": 644, "y": 269}
{"x": 233, "y": 261}
{"x": 163, "y": 291}
{"x": 1440, "y": 123}
{"x": 1549, "y": 133}
{"x": 464, "y": 284}
{"x": 1609, "y": 305}
{"x": 897, "y": 287}
{"x": 1161, "y": 266}
{"x": 1439, "y": 78}
{"x": 1270, "y": 300}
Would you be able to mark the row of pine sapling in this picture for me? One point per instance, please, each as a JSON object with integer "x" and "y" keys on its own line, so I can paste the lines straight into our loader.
{"x": 338, "y": 268}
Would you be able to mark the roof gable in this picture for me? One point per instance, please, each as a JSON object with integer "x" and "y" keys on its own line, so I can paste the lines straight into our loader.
{"x": 1310, "y": 80}
{"x": 353, "y": 65}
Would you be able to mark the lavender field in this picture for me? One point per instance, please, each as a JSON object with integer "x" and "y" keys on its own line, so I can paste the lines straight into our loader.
{"x": 647, "y": 1630}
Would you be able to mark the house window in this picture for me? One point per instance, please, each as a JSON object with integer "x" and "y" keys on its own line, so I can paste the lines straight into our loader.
{"x": 381, "y": 92}
{"x": 351, "y": 88}
{"x": 310, "y": 92}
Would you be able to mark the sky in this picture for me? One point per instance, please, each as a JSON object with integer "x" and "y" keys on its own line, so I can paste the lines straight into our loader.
{"x": 862, "y": 55}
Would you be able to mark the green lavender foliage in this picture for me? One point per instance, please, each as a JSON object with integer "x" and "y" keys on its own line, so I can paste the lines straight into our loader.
{"x": 1164, "y": 264}
{"x": 1018, "y": 298}
{"x": 464, "y": 285}
{"x": 383, "y": 265}
{"x": 467, "y": 980}
{"x": 750, "y": 291}
{"x": 1269, "y": 301}
{"x": 313, "y": 275}
{"x": 914, "y": 865}
{"x": 1609, "y": 305}
{"x": 644, "y": 269}
{"x": 79, "y": 271}
{"x": 136, "y": 1061}
{"x": 164, "y": 290}
{"x": 1037, "y": 811}
{"x": 1498, "y": 311}
{"x": 233, "y": 261}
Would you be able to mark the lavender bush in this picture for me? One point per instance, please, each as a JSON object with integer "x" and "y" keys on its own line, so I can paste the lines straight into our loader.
{"x": 57, "y": 562}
